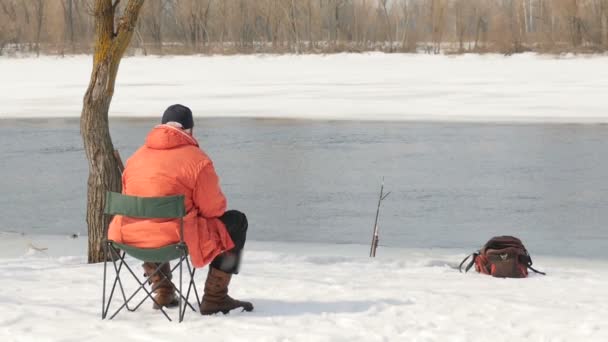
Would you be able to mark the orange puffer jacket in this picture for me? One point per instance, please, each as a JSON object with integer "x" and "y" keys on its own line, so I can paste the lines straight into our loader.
{"x": 171, "y": 163}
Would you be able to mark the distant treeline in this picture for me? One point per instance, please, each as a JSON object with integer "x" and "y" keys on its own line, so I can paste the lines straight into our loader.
{"x": 316, "y": 26}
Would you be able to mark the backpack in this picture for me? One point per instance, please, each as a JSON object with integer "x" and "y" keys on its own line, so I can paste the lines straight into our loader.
{"x": 502, "y": 257}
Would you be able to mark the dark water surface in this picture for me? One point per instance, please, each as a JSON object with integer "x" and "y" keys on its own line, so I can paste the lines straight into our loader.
{"x": 453, "y": 185}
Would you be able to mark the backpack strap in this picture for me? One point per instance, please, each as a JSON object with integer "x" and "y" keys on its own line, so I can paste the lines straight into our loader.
{"x": 527, "y": 260}
{"x": 474, "y": 255}
{"x": 536, "y": 271}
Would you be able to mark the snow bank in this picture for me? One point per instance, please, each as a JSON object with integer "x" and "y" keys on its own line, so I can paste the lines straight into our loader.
{"x": 312, "y": 293}
{"x": 374, "y": 86}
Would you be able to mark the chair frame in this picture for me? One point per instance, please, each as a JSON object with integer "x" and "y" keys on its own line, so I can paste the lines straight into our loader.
{"x": 117, "y": 252}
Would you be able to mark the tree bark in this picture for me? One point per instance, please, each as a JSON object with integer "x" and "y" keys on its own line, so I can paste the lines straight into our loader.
{"x": 68, "y": 25}
{"x": 311, "y": 43}
{"x": 294, "y": 25}
{"x": 39, "y": 17}
{"x": 388, "y": 25}
{"x": 602, "y": 9}
{"x": 406, "y": 23}
{"x": 103, "y": 166}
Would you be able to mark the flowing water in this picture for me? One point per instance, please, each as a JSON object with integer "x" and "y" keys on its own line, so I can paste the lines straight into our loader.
{"x": 453, "y": 185}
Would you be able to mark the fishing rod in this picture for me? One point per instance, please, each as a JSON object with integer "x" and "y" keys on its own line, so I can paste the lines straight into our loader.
{"x": 374, "y": 245}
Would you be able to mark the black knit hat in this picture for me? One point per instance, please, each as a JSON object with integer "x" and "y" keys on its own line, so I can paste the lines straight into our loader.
{"x": 179, "y": 113}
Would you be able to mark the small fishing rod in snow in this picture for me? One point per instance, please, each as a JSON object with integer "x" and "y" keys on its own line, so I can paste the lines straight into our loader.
{"x": 374, "y": 246}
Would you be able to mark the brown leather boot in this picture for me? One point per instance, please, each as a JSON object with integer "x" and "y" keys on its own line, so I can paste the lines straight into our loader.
{"x": 216, "y": 298}
{"x": 161, "y": 285}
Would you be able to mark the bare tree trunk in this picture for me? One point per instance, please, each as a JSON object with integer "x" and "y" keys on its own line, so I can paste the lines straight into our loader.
{"x": 39, "y": 17}
{"x": 604, "y": 24}
{"x": 141, "y": 41}
{"x": 334, "y": 20}
{"x": 406, "y": 23}
{"x": 576, "y": 32}
{"x": 193, "y": 22}
{"x": 11, "y": 20}
{"x": 437, "y": 23}
{"x": 460, "y": 23}
{"x": 388, "y": 25}
{"x": 83, "y": 34}
{"x": 526, "y": 20}
{"x": 521, "y": 25}
{"x": 276, "y": 24}
{"x": 311, "y": 43}
{"x": 531, "y": 22}
{"x": 71, "y": 24}
{"x": 515, "y": 25}
{"x": 223, "y": 24}
{"x": 478, "y": 30}
{"x": 158, "y": 27}
{"x": 68, "y": 27}
{"x": 294, "y": 25}
{"x": 109, "y": 48}
{"x": 205, "y": 25}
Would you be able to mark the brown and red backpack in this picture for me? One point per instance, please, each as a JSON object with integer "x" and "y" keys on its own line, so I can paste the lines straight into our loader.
{"x": 502, "y": 257}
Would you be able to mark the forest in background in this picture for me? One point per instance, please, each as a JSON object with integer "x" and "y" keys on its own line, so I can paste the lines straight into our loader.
{"x": 316, "y": 26}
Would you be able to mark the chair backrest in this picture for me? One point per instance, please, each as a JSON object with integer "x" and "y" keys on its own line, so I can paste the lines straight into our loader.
{"x": 145, "y": 207}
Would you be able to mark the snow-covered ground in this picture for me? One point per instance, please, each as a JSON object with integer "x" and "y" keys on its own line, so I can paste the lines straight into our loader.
{"x": 307, "y": 292}
{"x": 372, "y": 86}
{"x": 313, "y": 292}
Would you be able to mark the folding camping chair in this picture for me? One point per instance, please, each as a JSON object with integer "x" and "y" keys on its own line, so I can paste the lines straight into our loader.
{"x": 171, "y": 207}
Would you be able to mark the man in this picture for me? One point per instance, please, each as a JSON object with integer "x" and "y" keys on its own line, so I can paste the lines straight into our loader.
{"x": 171, "y": 163}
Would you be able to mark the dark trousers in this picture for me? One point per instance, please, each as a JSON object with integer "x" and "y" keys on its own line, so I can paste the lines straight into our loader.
{"x": 236, "y": 224}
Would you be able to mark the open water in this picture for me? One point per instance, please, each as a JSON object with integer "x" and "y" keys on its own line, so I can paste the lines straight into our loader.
{"x": 453, "y": 185}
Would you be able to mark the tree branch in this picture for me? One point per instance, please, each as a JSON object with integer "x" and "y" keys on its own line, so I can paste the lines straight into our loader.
{"x": 126, "y": 25}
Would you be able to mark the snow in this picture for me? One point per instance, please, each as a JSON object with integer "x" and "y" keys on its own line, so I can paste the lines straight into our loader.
{"x": 371, "y": 86}
{"x": 315, "y": 292}
{"x": 306, "y": 292}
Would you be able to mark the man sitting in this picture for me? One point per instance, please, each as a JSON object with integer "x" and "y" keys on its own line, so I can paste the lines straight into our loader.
{"x": 171, "y": 163}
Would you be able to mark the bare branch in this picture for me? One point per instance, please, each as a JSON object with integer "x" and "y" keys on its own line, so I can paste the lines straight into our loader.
{"x": 126, "y": 25}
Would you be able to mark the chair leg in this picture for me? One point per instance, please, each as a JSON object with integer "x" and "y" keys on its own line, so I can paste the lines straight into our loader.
{"x": 113, "y": 252}
{"x": 159, "y": 271}
{"x": 192, "y": 285}
{"x": 187, "y": 303}
{"x": 119, "y": 256}
{"x": 179, "y": 291}
{"x": 122, "y": 289}
{"x": 141, "y": 286}
{"x": 185, "y": 299}
{"x": 105, "y": 267}
{"x": 198, "y": 298}
{"x": 188, "y": 295}
{"x": 181, "y": 315}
